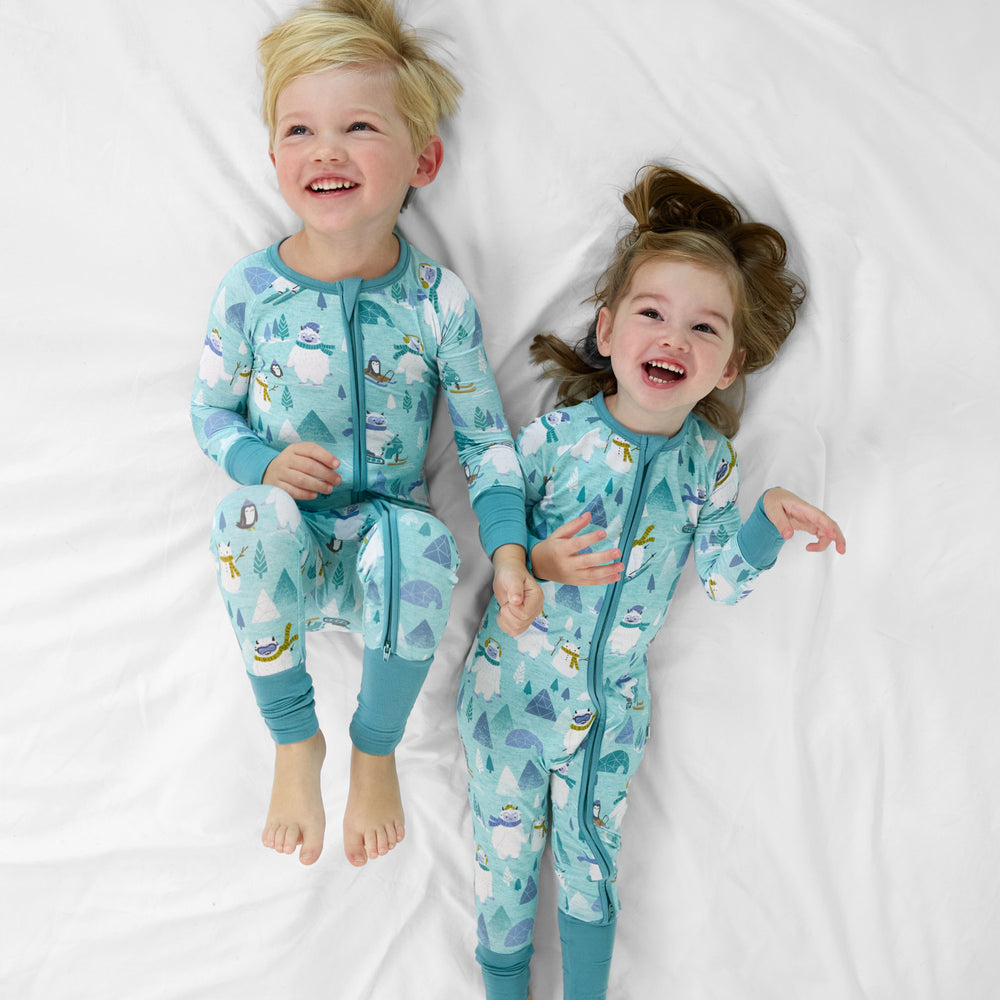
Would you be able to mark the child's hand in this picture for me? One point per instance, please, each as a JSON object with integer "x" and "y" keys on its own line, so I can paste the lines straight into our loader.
{"x": 789, "y": 513}
{"x": 516, "y": 590}
{"x": 560, "y": 558}
{"x": 303, "y": 470}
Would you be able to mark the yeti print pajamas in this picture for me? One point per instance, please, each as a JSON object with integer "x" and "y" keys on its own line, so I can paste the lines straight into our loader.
{"x": 554, "y": 722}
{"x": 354, "y": 366}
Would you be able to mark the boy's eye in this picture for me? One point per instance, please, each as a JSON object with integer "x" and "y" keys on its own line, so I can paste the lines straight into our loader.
{"x": 297, "y": 130}
{"x": 359, "y": 127}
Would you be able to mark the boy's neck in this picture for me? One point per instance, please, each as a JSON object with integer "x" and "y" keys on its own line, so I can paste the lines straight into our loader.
{"x": 334, "y": 260}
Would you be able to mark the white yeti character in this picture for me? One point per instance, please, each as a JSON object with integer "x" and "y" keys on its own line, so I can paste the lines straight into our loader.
{"x": 534, "y": 639}
{"x": 272, "y": 657}
{"x": 484, "y": 877}
{"x": 486, "y": 667}
{"x": 579, "y": 726}
{"x": 626, "y": 633}
{"x": 210, "y": 369}
{"x": 308, "y": 357}
{"x": 508, "y": 832}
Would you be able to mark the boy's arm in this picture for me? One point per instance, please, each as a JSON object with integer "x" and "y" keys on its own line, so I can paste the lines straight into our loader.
{"x": 221, "y": 389}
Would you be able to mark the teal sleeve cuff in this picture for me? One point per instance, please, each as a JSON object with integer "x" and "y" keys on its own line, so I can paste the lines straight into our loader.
{"x": 759, "y": 540}
{"x": 247, "y": 460}
{"x": 500, "y": 511}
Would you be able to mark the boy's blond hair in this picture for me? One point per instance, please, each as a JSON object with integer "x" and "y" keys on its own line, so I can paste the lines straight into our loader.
{"x": 363, "y": 34}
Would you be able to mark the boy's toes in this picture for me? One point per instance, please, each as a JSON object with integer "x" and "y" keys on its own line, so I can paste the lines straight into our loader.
{"x": 354, "y": 848}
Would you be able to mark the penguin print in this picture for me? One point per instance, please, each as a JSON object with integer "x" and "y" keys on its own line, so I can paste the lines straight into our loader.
{"x": 248, "y": 516}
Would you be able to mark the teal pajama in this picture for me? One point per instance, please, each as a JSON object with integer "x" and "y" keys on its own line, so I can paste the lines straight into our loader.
{"x": 354, "y": 366}
{"x": 555, "y": 722}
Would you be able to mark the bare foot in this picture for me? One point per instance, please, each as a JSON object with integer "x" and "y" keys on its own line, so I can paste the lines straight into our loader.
{"x": 373, "y": 819}
{"x": 295, "y": 815}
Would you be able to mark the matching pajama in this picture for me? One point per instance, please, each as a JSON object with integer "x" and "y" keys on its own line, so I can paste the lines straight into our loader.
{"x": 555, "y": 721}
{"x": 354, "y": 366}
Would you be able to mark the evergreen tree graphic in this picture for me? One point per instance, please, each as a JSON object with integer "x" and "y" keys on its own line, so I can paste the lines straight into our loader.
{"x": 259, "y": 561}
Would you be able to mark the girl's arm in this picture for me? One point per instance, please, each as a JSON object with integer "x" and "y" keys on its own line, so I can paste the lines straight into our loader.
{"x": 789, "y": 513}
{"x": 561, "y": 556}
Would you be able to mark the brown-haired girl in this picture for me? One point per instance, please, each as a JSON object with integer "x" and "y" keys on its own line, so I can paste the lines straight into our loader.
{"x": 554, "y": 721}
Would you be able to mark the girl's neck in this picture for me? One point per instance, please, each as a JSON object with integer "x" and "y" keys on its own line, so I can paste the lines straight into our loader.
{"x": 332, "y": 260}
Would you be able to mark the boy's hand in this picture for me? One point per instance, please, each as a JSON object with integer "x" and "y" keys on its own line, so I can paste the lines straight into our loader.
{"x": 789, "y": 513}
{"x": 303, "y": 470}
{"x": 560, "y": 557}
{"x": 516, "y": 590}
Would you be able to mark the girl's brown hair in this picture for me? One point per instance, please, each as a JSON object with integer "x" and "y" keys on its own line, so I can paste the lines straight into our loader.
{"x": 677, "y": 218}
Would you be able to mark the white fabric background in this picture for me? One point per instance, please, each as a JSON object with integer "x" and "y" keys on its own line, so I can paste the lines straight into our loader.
{"x": 818, "y": 813}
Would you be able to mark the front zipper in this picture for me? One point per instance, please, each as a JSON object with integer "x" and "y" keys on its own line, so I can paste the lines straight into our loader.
{"x": 391, "y": 559}
{"x": 595, "y": 687}
{"x": 350, "y": 291}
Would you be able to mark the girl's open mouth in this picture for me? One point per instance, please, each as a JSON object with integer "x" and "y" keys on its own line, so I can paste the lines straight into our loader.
{"x": 664, "y": 373}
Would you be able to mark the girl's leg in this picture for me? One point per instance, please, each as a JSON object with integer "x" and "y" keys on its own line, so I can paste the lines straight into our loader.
{"x": 508, "y": 794}
{"x": 505, "y": 976}
{"x": 406, "y": 563}
{"x": 586, "y": 957}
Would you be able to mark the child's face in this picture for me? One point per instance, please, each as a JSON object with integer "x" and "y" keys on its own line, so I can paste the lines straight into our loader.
{"x": 343, "y": 154}
{"x": 670, "y": 340}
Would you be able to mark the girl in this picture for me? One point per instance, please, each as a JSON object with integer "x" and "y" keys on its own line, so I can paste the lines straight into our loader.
{"x": 554, "y": 722}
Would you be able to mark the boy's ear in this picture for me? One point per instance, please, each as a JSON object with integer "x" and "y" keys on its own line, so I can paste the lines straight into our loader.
{"x": 428, "y": 162}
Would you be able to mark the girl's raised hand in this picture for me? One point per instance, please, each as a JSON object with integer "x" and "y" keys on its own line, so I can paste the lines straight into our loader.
{"x": 789, "y": 513}
{"x": 561, "y": 558}
{"x": 303, "y": 470}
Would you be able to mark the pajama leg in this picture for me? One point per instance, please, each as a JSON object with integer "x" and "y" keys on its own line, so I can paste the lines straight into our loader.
{"x": 586, "y": 957}
{"x": 263, "y": 546}
{"x": 407, "y": 563}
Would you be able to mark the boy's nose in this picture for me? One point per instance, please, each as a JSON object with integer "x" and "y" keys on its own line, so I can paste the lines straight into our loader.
{"x": 328, "y": 148}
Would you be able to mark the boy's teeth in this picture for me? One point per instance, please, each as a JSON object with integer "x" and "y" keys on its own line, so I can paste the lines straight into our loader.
{"x": 331, "y": 185}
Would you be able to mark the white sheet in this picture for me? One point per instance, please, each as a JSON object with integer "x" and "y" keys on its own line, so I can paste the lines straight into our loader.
{"x": 817, "y": 815}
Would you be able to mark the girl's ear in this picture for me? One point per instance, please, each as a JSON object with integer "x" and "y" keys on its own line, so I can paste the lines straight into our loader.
{"x": 731, "y": 370}
{"x": 605, "y": 322}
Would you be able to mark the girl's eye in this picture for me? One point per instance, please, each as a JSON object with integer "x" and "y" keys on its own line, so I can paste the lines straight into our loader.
{"x": 704, "y": 328}
{"x": 650, "y": 313}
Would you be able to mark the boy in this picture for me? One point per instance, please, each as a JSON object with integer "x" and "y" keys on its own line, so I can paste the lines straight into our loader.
{"x": 315, "y": 391}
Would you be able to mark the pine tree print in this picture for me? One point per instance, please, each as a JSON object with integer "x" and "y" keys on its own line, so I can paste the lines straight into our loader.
{"x": 259, "y": 561}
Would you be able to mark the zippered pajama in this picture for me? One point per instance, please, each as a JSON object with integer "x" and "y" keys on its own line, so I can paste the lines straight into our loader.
{"x": 555, "y": 722}
{"x": 354, "y": 366}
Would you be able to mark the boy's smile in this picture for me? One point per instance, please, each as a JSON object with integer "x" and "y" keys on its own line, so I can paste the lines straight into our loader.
{"x": 670, "y": 340}
{"x": 344, "y": 158}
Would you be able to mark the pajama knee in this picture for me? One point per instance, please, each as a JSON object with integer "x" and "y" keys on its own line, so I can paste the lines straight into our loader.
{"x": 586, "y": 957}
{"x": 389, "y": 689}
{"x": 286, "y": 703}
{"x": 505, "y": 977}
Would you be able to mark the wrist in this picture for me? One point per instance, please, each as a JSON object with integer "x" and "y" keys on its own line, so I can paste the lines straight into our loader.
{"x": 509, "y": 554}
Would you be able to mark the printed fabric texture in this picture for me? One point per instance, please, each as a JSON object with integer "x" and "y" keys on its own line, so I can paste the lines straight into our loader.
{"x": 555, "y": 722}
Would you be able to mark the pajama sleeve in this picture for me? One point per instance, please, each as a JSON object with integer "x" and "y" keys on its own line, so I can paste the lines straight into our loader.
{"x": 219, "y": 398}
{"x": 730, "y": 555}
{"x": 485, "y": 448}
